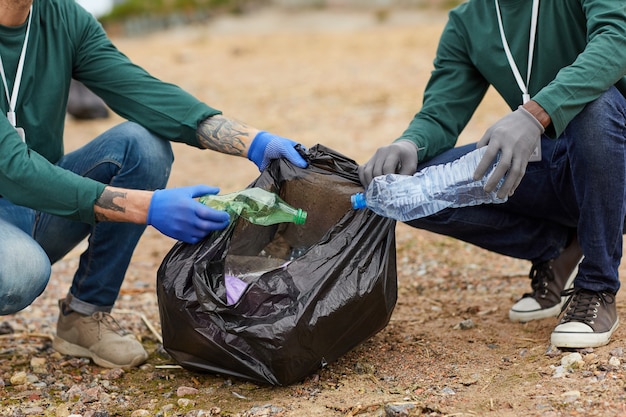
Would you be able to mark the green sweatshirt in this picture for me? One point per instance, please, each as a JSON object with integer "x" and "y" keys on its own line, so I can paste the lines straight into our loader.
{"x": 580, "y": 52}
{"x": 66, "y": 41}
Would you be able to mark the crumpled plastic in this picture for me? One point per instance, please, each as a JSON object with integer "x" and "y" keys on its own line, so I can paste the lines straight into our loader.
{"x": 307, "y": 295}
{"x": 234, "y": 288}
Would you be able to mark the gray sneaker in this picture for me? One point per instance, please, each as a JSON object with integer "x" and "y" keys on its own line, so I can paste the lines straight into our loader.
{"x": 99, "y": 337}
{"x": 548, "y": 280}
{"x": 589, "y": 320}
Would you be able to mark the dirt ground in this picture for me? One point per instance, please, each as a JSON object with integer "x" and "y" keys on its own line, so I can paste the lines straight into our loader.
{"x": 350, "y": 80}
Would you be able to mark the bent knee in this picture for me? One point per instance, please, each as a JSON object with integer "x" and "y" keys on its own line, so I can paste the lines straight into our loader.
{"x": 150, "y": 156}
{"x": 23, "y": 276}
{"x": 148, "y": 145}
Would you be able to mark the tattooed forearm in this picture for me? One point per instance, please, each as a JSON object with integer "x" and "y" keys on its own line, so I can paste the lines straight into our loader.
{"x": 223, "y": 135}
{"x": 106, "y": 202}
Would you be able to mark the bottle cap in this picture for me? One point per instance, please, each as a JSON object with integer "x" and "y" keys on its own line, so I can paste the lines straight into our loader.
{"x": 300, "y": 217}
{"x": 358, "y": 201}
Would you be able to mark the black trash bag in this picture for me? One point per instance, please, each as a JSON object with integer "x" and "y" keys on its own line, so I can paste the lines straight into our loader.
{"x": 297, "y": 315}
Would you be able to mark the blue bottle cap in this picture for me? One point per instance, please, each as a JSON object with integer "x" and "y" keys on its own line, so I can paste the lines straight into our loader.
{"x": 358, "y": 201}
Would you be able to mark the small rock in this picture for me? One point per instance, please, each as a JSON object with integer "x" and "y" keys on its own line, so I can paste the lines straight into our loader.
{"x": 552, "y": 351}
{"x": 185, "y": 402}
{"x": 267, "y": 410}
{"x": 399, "y": 409}
{"x": 33, "y": 411}
{"x": 140, "y": 413}
{"x": 570, "y": 396}
{"x": 559, "y": 371}
{"x": 38, "y": 365}
{"x": 112, "y": 374}
{"x": 91, "y": 395}
{"x": 19, "y": 378}
{"x": 591, "y": 358}
{"x": 614, "y": 361}
{"x": 573, "y": 360}
{"x": 31, "y": 379}
{"x": 73, "y": 393}
{"x": 147, "y": 367}
{"x": 471, "y": 380}
{"x": 465, "y": 325}
{"x": 183, "y": 391}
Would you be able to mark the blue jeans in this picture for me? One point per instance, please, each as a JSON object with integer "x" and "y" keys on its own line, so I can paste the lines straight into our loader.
{"x": 577, "y": 188}
{"x": 126, "y": 156}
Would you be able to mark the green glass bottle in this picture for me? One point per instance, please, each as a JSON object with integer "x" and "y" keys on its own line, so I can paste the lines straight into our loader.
{"x": 256, "y": 205}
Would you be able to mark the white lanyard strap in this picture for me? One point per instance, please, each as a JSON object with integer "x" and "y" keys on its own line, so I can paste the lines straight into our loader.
{"x": 12, "y": 99}
{"x": 531, "y": 49}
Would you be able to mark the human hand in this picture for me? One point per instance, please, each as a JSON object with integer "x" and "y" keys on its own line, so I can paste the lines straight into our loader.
{"x": 267, "y": 146}
{"x": 175, "y": 213}
{"x": 398, "y": 158}
{"x": 515, "y": 137}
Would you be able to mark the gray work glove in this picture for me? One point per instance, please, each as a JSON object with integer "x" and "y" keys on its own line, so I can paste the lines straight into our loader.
{"x": 398, "y": 158}
{"x": 515, "y": 137}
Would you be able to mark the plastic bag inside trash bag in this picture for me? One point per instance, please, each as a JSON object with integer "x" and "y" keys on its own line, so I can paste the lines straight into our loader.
{"x": 307, "y": 294}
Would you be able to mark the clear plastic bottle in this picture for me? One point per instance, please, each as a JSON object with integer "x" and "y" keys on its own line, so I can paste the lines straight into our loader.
{"x": 410, "y": 197}
{"x": 256, "y": 205}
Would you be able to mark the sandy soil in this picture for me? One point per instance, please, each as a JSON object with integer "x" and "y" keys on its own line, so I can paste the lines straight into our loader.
{"x": 352, "y": 82}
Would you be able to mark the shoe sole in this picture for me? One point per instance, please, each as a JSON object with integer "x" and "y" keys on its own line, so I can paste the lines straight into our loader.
{"x": 66, "y": 348}
{"x": 580, "y": 340}
{"x": 544, "y": 313}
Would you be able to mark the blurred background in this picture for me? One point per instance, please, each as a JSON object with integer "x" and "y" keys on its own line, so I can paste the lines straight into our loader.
{"x": 137, "y": 16}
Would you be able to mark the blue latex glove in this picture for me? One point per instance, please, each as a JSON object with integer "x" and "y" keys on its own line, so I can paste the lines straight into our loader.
{"x": 175, "y": 213}
{"x": 267, "y": 146}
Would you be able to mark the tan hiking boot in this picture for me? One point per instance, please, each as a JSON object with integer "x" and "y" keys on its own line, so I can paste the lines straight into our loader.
{"x": 548, "y": 280}
{"x": 99, "y": 337}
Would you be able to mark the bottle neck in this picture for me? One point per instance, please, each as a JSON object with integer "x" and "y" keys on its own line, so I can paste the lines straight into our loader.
{"x": 298, "y": 216}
